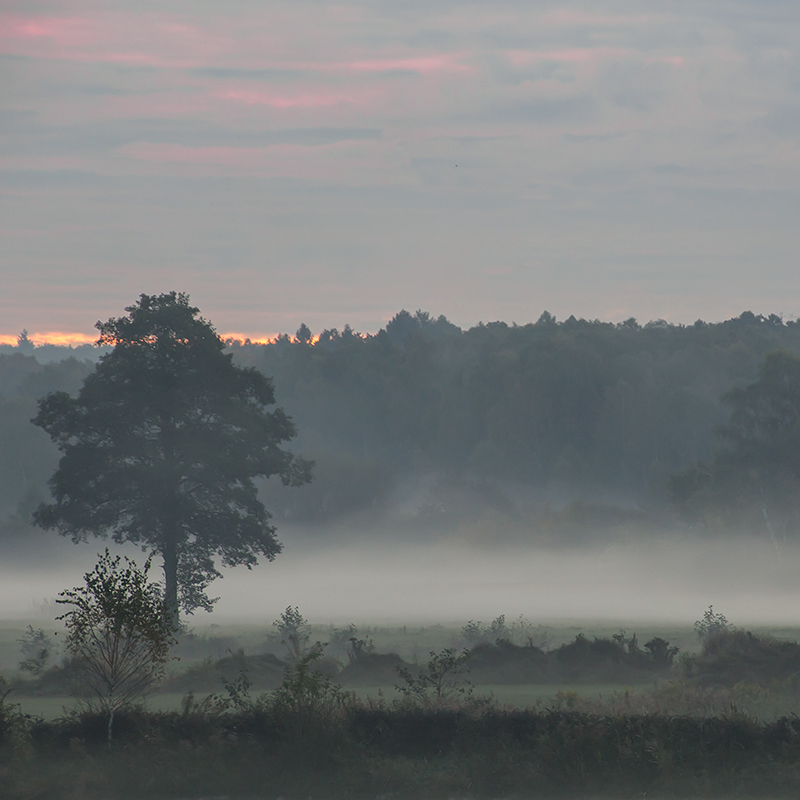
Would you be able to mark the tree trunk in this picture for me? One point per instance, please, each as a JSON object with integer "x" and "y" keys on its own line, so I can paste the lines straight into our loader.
{"x": 170, "y": 556}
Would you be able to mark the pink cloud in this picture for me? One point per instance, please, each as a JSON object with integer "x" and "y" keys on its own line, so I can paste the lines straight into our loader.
{"x": 302, "y": 100}
{"x": 673, "y": 61}
{"x": 421, "y": 64}
{"x": 160, "y": 40}
{"x": 63, "y": 31}
{"x": 117, "y": 38}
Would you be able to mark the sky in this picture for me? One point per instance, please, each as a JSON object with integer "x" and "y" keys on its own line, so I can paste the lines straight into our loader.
{"x": 288, "y": 161}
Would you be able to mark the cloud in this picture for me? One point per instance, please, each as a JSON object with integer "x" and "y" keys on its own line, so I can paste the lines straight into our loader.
{"x": 784, "y": 120}
{"x": 107, "y": 136}
{"x": 591, "y": 137}
{"x": 319, "y": 162}
{"x": 324, "y": 99}
{"x": 541, "y": 110}
{"x": 420, "y": 64}
{"x": 293, "y": 137}
{"x": 574, "y": 55}
{"x": 46, "y": 178}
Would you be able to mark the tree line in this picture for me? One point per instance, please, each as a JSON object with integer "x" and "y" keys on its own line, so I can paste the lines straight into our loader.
{"x": 594, "y": 406}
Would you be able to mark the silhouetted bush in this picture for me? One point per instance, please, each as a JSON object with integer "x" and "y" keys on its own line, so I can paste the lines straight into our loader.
{"x": 735, "y": 656}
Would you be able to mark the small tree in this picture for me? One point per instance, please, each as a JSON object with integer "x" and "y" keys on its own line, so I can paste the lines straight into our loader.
{"x": 37, "y": 649}
{"x": 711, "y": 625}
{"x": 120, "y": 628}
{"x": 439, "y": 681}
{"x": 295, "y": 633}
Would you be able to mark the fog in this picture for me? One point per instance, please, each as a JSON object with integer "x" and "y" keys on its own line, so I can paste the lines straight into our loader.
{"x": 372, "y": 579}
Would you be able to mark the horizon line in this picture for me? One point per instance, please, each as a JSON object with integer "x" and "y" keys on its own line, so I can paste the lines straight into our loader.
{"x": 73, "y": 339}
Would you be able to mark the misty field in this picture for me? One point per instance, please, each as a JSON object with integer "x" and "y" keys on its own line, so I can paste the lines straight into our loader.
{"x": 193, "y": 671}
{"x": 557, "y": 469}
{"x": 387, "y": 710}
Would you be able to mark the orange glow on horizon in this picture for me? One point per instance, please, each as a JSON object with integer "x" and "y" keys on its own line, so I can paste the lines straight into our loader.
{"x": 65, "y": 339}
{"x": 255, "y": 338}
{"x": 59, "y": 338}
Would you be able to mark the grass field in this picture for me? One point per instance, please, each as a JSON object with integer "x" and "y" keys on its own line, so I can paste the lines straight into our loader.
{"x": 413, "y": 643}
{"x": 210, "y": 639}
{"x": 671, "y": 737}
{"x": 504, "y": 696}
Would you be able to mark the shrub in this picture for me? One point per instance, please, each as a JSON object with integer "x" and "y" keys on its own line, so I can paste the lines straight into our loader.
{"x": 712, "y": 624}
{"x": 37, "y": 649}
{"x": 441, "y": 680}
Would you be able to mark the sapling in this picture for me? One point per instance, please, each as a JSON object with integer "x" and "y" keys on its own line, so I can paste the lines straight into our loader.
{"x": 120, "y": 629}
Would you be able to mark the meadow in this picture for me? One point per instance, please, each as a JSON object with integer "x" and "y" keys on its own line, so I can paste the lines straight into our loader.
{"x": 208, "y": 643}
{"x": 251, "y": 721}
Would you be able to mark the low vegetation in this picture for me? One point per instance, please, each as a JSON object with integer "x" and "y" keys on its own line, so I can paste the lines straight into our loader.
{"x": 721, "y": 720}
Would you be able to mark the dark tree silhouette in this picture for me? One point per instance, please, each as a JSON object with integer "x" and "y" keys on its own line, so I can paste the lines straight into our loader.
{"x": 161, "y": 446}
{"x": 760, "y": 465}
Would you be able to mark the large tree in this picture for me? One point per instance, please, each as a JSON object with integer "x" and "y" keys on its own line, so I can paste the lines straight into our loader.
{"x": 162, "y": 445}
{"x": 757, "y": 471}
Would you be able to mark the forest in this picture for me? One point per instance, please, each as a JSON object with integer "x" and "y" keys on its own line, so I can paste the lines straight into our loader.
{"x": 542, "y": 426}
{"x": 573, "y": 431}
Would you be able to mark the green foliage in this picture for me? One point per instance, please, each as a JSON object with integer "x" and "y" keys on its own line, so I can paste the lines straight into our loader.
{"x": 307, "y": 693}
{"x": 37, "y": 650}
{"x": 309, "y": 738}
{"x": 630, "y": 643}
{"x": 441, "y": 680}
{"x": 476, "y": 632}
{"x": 27, "y": 457}
{"x": 359, "y": 649}
{"x": 550, "y": 403}
{"x": 712, "y": 624}
{"x": 661, "y": 652}
{"x": 754, "y": 479}
{"x": 13, "y": 723}
{"x": 294, "y": 632}
{"x": 119, "y": 627}
{"x": 162, "y": 445}
{"x": 733, "y": 656}
{"x": 618, "y": 406}
{"x": 412, "y": 752}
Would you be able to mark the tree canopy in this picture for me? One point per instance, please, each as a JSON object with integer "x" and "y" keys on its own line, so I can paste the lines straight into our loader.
{"x": 758, "y": 467}
{"x": 161, "y": 447}
{"x": 575, "y": 409}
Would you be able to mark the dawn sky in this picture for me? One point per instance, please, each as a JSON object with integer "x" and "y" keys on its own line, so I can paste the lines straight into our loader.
{"x": 332, "y": 163}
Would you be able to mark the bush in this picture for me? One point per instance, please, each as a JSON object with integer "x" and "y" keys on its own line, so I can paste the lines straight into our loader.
{"x": 441, "y": 680}
{"x": 712, "y": 625}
